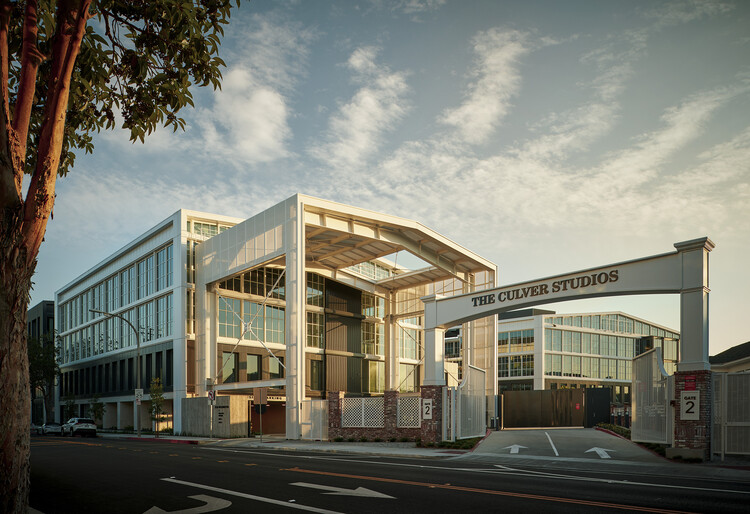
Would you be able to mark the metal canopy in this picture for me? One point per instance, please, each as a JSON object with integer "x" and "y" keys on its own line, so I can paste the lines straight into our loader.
{"x": 338, "y": 236}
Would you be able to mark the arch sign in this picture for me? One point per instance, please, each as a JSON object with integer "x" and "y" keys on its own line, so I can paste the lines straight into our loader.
{"x": 683, "y": 272}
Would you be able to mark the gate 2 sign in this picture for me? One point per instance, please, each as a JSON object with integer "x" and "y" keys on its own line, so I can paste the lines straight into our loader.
{"x": 690, "y": 405}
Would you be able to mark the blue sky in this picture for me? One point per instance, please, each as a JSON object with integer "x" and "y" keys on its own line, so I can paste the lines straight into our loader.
{"x": 546, "y": 136}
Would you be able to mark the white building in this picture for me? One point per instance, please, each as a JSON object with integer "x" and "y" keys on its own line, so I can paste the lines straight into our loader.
{"x": 539, "y": 349}
{"x": 298, "y": 299}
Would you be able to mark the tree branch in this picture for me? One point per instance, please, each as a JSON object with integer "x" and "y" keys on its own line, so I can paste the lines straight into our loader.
{"x": 10, "y": 175}
{"x": 31, "y": 57}
{"x": 71, "y": 26}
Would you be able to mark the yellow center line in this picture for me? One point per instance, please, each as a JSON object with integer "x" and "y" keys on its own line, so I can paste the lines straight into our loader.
{"x": 489, "y": 491}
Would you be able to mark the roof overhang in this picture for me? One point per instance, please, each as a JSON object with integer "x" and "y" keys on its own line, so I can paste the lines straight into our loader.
{"x": 338, "y": 236}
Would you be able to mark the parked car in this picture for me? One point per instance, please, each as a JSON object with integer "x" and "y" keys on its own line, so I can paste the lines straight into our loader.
{"x": 35, "y": 429}
{"x": 79, "y": 426}
{"x": 51, "y": 428}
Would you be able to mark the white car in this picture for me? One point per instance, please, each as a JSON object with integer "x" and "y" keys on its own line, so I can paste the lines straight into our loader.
{"x": 51, "y": 428}
{"x": 79, "y": 426}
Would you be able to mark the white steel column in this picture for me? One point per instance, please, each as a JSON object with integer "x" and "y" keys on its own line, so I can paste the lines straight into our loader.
{"x": 391, "y": 344}
{"x": 296, "y": 323}
{"x": 179, "y": 317}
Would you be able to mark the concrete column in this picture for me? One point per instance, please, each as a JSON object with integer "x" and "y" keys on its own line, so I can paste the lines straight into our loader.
{"x": 694, "y": 304}
{"x": 179, "y": 308}
{"x": 296, "y": 289}
{"x": 434, "y": 344}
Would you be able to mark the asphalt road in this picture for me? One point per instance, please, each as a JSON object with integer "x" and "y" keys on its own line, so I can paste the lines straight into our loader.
{"x": 119, "y": 476}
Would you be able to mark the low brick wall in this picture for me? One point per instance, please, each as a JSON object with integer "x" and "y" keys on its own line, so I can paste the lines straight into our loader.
{"x": 430, "y": 430}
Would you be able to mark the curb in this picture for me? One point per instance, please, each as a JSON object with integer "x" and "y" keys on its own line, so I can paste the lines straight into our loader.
{"x": 161, "y": 440}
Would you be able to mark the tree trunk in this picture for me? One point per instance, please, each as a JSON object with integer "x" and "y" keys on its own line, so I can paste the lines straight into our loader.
{"x": 15, "y": 399}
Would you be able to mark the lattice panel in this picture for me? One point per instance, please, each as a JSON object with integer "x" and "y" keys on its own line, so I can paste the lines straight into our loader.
{"x": 363, "y": 412}
{"x": 409, "y": 411}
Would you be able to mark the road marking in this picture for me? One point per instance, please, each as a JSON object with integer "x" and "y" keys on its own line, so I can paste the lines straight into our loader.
{"x": 340, "y": 491}
{"x": 251, "y": 496}
{"x": 174, "y": 454}
{"x": 250, "y": 464}
{"x": 507, "y": 470}
{"x": 211, "y": 504}
{"x": 552, "y": 444}
{"x": 514, "y": 448}
{"x": 493, "y": 492}
{"x": 601, "y": 452}
{"x": 222, "y": 461}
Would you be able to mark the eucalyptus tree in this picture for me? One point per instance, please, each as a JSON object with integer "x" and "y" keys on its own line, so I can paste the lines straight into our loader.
{"x": 68, "y": 68}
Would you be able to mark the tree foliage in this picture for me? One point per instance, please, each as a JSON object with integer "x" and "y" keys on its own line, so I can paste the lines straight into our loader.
{"x": 43, "y": 366}
{"x": 157, "y": 403}
{"x": 68, "y": 69}
{"x": 96, "y": 409}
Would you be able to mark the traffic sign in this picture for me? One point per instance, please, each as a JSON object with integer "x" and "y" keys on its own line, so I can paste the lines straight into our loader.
{"x": 138, "y": 396}
{"x": 212, "y": 396}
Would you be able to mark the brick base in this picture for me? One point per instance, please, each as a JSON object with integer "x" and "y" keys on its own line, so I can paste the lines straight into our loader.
{"x": 692, "y": 438}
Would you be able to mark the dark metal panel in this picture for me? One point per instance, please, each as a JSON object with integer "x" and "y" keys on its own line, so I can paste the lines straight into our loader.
{"x": 354, "y": 374}
{"x": 335, "y": 369}
{"x": 597, "y": 405}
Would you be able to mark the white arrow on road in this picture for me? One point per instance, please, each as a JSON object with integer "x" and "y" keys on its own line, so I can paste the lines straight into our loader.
{"x": 211, "y": 504}
{"x": 514, "y": 448}
{"x": 601, "y": 452}
{"x": 359, "y": 491}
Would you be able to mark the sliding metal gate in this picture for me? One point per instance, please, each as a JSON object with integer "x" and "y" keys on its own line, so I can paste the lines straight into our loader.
{"x": 730, "y": 433}
{"x": 471, "y": 405}
{"x": 652, "y": 390}
{"x": 314, "y": 420}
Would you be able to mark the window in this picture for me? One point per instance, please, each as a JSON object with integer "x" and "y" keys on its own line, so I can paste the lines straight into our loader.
{"x": 229, "y": 367}
{"x": 229, "y": 321}
{"x": 502, "y": 342}
{"x": 315, "y": 290}
{"x": 254, "y": 367}
{"x": 515, "y": 366}
{"x": 502, "y": 367}
{"x": 273, "y": 277}
{"x": 576, "y": 342}
{"x": 373, "y": 306}
{"x": 274, "y": 325}
{"x": 275, "y": 370}
{"x": 557, "y": 340}
{"x": 316, "y": 375}
{"x": 373, "y": 335}
{"x": 409, "y": 378}
{"x": 316, "y": 330}
{"x": 377, "y": 376}
{"x": 409, "y": 340}
{"x": 567, "y": 341}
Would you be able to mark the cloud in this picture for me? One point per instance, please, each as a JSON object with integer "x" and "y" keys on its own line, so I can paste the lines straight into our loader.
{"x": 248, "y": 122}
{"x": 497, "y": 80}
{"x": 357, "y": 128}
{"x": 682, "y": 12}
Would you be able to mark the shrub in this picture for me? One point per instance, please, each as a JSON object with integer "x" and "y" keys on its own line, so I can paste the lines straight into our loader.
{"x": 339, "y": 439}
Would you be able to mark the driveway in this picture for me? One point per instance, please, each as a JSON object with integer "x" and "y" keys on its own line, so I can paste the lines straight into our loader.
{"x": 567, "y": 443}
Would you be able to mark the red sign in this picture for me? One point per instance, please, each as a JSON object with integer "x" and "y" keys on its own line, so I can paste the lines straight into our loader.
{"x": 578, "y": 406}
{"x": 689, "y": 383}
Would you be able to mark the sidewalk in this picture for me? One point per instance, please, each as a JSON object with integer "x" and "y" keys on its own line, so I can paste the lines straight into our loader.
{"x": 279, "y": 442}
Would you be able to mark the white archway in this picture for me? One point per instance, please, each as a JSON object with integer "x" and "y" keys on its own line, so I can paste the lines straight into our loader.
{"x": 683, "y": 272}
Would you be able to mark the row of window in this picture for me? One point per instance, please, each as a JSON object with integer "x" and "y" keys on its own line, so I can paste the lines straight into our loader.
{"x": 264, "y": 322}
{"x": 151, "y": 274}
{"x": 153, "y": 320}
{"x": 515, "y": 341}
{"x": 610, "y": 323}
{"x": 515, "y": 366}
{"x": 582, "y": 342}
{"x": 118, "y": 377}
{"x": 588, "y": 367}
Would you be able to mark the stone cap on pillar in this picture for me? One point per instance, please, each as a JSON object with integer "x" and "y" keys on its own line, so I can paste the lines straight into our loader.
{"x": 694, "y": 244}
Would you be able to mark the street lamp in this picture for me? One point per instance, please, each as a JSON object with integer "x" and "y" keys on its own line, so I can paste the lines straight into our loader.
{"x": 137, "y": 359}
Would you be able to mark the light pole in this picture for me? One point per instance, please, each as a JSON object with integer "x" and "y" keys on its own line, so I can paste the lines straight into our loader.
{"x": 137, "y": 360}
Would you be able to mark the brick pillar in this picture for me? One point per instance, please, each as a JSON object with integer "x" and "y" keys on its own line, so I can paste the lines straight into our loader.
{"x": 334, "y": 414}
{"x": 692, "y": 423}
{"x": 432, "y": 429}
{"x": 390, "y": 406}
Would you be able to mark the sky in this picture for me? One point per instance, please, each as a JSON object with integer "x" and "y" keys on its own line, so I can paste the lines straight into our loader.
{"x": 546, "y": 136}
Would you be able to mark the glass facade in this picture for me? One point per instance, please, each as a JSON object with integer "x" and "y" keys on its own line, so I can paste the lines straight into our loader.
{"x": 139, "y": 293}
